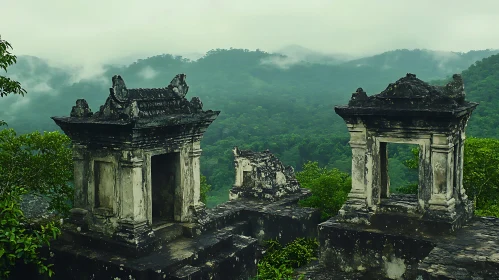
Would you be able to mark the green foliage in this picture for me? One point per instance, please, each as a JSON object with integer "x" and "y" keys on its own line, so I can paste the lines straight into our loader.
{"x": 329, "y": 187}
{"x": 205, "y": 188}
{"x": 408, "y": 189}
{"x": 7, "y": 85}
{"x": 279, "y": 262}
{"x": 20, "y": 241}
{"x": 288, "y": 111}
{"x": 481, "y": 84}
{"x": 40, "y": 163}
{"x": 489, "y": 211}
{"x": 413, "y": 162}
{"x": 480, "y": 173}
{"x": 37, "y": 164}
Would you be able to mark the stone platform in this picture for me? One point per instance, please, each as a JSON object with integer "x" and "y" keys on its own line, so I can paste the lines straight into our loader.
{"x": 222, "y": 254}
{"x": 222, "y": 244}
{"x": 363, "y": 252}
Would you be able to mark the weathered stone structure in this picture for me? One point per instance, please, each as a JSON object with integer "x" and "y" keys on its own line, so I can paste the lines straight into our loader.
{"x": 381, "y": 235}
{"x": 410, "y": 112}
{"x": 136, "y": 160}
{"x": 262, "y": 175}
{"x": 137, "y": 213}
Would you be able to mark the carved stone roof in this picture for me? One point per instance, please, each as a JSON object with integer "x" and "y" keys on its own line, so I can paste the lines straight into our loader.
{"x": 411, "y": 92}
{"x": 125, "y": 104}
{"x": 410, "y": 97}
{"x": 151, "y": 109}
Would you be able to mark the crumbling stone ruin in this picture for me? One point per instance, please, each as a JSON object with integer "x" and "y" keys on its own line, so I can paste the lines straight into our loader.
{"x": 262, "y": 175}
{"x": 433, "y": 234}
{"x": 137, "y": 212}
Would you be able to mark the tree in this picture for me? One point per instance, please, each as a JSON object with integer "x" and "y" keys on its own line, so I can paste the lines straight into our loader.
{"x": 329, "y": 188}
{"x": 205, "y": 188}
{"x": 480, "y": 172}
{"x": 7, "y": 85}
{"x": 36, "y": 164}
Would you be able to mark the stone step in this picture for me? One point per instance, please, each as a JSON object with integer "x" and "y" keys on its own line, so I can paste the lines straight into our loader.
{"x": 167, "y": 233}
{"x": 230, "y": 263}
{"x": 239, "y": 228}
{"x": 163, "y": 234}
{"x": 186, "y": 272}
{"x": 182, "y": 255}
{"x": 184, "y": 251}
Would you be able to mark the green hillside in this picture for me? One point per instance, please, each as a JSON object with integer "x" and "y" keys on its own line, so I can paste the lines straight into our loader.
{"x": 264, "y": 105}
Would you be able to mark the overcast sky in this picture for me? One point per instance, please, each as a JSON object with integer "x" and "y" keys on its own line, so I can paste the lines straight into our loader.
{"x": 99, "y": 31}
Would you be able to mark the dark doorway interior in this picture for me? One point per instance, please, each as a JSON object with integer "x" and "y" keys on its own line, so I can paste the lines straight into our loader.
{"x": 165, "y": 176}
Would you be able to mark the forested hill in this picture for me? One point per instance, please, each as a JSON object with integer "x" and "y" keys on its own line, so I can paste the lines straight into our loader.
{"x": 482, "y": 86}
{"x": 267, "y": 100}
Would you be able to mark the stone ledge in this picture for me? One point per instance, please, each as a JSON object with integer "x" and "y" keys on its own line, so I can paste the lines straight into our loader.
{"x": 472, "y": 251}
{"x": 282, "y": 219}
{"x": 221, "y": 254}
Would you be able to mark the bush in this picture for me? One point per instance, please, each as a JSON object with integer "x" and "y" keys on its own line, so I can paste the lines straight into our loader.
{"x": 279, "y": 262}
{"x": 36, "y": 164}
{"x": 19, "y": 240}
{"x": 409, "y": 189}
{"x": 205, "y": 188}
{"x": 329, "y": 187}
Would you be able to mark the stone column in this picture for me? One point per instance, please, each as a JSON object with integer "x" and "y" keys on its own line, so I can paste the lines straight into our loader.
{"x": 383, "y": 169}
{"x": 80, "y": 184}
{"x": 80, "y": 178}
{"x": 467, "y": 207}
{"x": 459, "y": 167}
{"x": 425, "y": 175}
{"x": 195, "y": 155}
{"x": 132, "y": 222}
{"x": 442, "y": 202}
{"x": 356, "y": 206}
{"x": 184, "y": 193}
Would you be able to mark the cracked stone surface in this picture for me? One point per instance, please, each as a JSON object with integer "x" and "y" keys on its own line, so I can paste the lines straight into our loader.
{"x": 262, "y": 175}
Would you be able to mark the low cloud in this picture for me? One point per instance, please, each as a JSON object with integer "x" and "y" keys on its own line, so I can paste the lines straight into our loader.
{"x": 443, "y": 58}
{"x": 42, "y": 87}
{"x": 11, "y": 104}
{"x": 280, "y": 61}
{"x": 148, "y": 73}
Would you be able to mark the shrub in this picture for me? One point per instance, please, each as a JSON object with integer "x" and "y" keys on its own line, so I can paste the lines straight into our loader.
{"x": 20, "y": 241}
{"x": 329, "y": 188}
{"x": 205, "y": 188}
{"x": 36, "y": 164}
{"x": 279, "y": 262}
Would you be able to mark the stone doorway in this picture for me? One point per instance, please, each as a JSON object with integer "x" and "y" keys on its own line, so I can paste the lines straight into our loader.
{"x": 165, "y": 177}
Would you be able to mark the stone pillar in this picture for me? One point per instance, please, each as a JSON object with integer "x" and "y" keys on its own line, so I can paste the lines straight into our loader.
{"x": 133, "y": 194}
{"x": 80, "y": 178}
{"x": 184, "y": 193}
{"x": 356, "y": 208}
{"x": 425, "y": 175}
{"x": 383, "y": 169}
{"x": 81, "y": 205}
{"x": 195, "y": 155}
{"x": 459, "y": 168}
{"x": 466, "y": 206}
{"x": 442, "y": 202}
